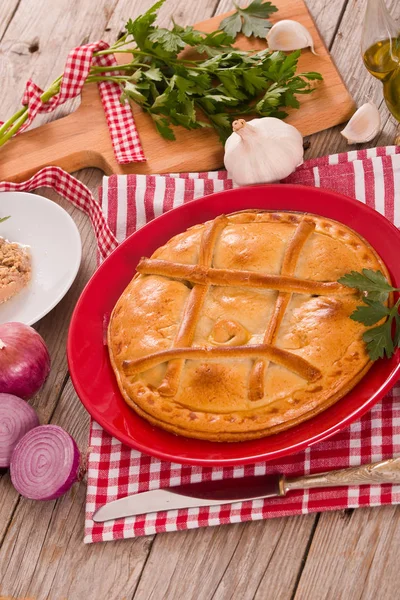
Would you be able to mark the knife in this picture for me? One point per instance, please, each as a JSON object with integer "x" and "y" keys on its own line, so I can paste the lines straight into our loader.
{"x": 229, "y": 491}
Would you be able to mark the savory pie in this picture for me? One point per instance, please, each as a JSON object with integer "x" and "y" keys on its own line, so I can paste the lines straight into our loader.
{"x": 237, "y": 328}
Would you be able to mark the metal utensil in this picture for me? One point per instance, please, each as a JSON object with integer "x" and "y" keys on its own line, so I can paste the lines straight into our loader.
{"x": 212, "y": 493}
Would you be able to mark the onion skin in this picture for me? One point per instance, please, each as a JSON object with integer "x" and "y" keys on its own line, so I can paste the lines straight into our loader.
{"x": 16, "y": 419}
{"x": 24, "y": 360}
{"x": 45, "y": 463}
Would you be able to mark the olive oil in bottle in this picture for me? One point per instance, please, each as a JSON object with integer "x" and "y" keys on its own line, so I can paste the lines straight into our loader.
{"x": 380, "y": 46}
{"x": 383, "y": 62}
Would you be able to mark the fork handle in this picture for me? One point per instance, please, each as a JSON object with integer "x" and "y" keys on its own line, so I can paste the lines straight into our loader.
{"x": 386, "y": 471}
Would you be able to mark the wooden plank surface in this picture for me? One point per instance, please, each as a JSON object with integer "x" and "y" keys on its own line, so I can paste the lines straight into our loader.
{"x": 345, "y": 555}
{"x": 242, "y": 561}
{"x": 358, "y": 564}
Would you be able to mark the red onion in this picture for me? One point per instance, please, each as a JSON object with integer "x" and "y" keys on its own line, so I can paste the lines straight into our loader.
{"x": 45, "y": 463}
{"x": 24, "y": 360}
{"x": 16, "y": 418}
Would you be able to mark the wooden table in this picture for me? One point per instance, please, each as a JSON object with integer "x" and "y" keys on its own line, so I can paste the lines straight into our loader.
{"x": 345, "y": 555}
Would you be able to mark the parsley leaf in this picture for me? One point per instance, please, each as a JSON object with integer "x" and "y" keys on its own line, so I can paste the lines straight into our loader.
{"x": 132, "y": 91}
{"x": 162, "y": 125}
{"x": 153, "y": 73}
{"x": 232, "y": 24}
{"x": 2, "y": 219}
{"x": 190, "y": 36}
{"x": 139, "y": 28}
{"x": 372, "y": 282}
{"x": 375, "y": 289}
{"x": 255, "y": 26}
{"x": 251, "y": 20}
{"x": 216, "y": 42}
{"x": 222, "y": 124}
{"x": 312, "y": 75}
{"x": 260, "y": 9}
{"x": 379, "y": 341}
{"x": 171, "y": 41}
{"x": 254, "y": 81}
{"x": 370, "y": 314}
{"x": 183, "y": 86}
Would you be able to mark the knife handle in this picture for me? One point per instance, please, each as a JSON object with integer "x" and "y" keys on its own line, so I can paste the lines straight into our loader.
{"x": 387, "y": 471}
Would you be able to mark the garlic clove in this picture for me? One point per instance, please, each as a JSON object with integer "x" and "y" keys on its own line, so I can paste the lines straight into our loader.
{"x": 262, "y": 150}
{"x": 287, "y": 35}
{"x": 364, "y": 125}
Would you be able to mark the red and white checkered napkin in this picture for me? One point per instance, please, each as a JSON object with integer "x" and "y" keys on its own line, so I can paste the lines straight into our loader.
{"x": 372, "y": 176}
{"x": 123, "y": 132}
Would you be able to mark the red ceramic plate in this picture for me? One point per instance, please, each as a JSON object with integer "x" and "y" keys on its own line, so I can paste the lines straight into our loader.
{"x": 88, "y": 359}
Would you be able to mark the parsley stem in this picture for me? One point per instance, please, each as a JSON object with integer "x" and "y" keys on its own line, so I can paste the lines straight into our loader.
{"x": 128, "y": 67}
{"x": 192, "y": 68}
{"x": 244, "y": 111}
{"x": 99, "y": 78}
{"x": 117, "y": 51}
{"x": 18, "y": 124}
{"x": 115, "y": 47}
{"x": 395, "y": 308}
{"x": 4, "y": 128}
{"x": 121, "y": 42}
{"x": 148, "y": 54}
{"x": 15, "y": 122}
{"x": 112, "y": 68}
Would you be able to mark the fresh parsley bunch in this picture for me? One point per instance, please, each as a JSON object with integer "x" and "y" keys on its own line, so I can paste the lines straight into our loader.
{"x": 228, "y": 83}
{"x": 375, "y": 293}
{"x": 208, "y": 87}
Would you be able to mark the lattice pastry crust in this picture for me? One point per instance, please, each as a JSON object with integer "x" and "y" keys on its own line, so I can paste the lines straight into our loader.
{"x": 237, "y": 328}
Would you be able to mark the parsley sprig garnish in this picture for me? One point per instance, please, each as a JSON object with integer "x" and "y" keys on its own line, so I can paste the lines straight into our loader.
{"x": 384, "y": 338}
{"x": 251, "y": 20}
{"x": 210, "y": 87}
{"x": 228, "y": 83}
{"x": 2, "y": 219}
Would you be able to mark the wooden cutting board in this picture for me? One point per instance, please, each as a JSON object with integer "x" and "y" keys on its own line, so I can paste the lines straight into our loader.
{"x": 82, "y": 139}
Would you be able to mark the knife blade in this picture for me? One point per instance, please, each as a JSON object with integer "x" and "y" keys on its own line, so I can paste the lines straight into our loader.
{"x": 205, "y": 493}
{"x": 228, "y": 491}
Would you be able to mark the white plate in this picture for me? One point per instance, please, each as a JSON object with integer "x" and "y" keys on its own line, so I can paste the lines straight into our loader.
{"x": 55, "y": 246}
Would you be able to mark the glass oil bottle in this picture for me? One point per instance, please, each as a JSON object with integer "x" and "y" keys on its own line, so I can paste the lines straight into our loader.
{"x": 380, "y": 46}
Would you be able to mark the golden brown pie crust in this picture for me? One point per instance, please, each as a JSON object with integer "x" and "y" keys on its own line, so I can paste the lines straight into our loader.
{"x": 237, "y": 328}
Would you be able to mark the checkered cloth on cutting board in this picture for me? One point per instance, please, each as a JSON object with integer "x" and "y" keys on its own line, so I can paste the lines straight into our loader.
{"x": 128, "y": 202}
{"x": 120, "y": 120}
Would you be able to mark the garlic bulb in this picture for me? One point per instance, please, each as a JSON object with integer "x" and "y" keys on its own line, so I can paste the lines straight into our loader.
{"x": 262, "y": 151}
{"x": 289, "y": 35}
{"x": 364, "y": 125}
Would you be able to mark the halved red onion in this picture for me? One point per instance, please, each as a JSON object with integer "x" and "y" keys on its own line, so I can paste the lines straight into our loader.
{"x": 24, "y": 360}
{"x": 16, "y": 419}
{"x": 45, "y": 463}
